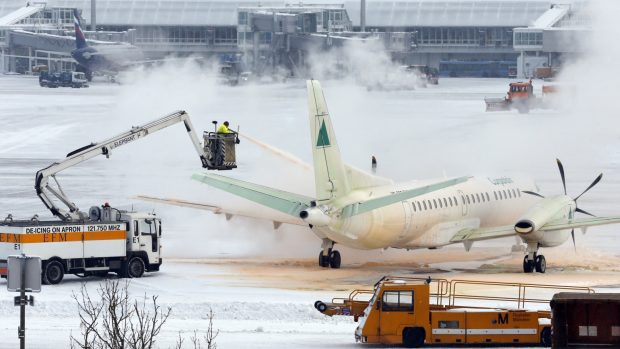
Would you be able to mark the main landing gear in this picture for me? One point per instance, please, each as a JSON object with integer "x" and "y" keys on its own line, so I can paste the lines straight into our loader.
{"x": 533, "y": 261}
{"x": 329, "y": 257}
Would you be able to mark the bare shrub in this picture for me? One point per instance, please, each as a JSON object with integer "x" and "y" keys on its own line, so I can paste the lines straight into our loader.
{"x": 114, "y": 321}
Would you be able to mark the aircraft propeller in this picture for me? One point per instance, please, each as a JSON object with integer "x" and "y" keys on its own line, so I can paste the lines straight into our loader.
{"x": 577, "y": 209}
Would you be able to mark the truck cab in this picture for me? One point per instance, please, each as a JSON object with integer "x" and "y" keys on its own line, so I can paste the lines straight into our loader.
{"x": 144, "y": 240}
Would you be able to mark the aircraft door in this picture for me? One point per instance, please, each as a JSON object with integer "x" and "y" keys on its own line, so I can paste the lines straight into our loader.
{"x": 463, "y": 202}
{"x": 407, "y": 207}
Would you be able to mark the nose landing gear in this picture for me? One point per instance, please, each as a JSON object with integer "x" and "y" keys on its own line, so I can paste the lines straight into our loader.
{"x": 533, "y": 262}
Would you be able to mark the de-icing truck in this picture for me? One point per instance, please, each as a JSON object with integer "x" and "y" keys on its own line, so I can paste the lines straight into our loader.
{"x": 104, "y": 239}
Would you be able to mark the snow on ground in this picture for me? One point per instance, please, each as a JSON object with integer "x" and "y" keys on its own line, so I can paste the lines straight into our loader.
{"x": 262, "y": 283}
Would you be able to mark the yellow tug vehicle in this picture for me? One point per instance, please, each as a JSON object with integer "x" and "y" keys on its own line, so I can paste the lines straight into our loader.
{"x": 417, "y": 311}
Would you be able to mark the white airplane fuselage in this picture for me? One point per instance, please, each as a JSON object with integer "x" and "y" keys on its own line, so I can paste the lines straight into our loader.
{"x": 431, "y": 220}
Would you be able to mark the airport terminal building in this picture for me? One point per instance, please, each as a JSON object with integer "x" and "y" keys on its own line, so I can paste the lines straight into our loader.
{"x": 459, "y": 37}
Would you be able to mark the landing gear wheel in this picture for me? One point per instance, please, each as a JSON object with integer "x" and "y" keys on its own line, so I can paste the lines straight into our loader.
{"x": 413, "y": 337}
{"x": 528, "y": 265}
{"x": 334, "y": 260}
{"x": 545, "y": 337}
{"x": 541, "y": 264}
{"x": 323, "y": 260}
{"x": 53, "y": 273}
{"x": 135, "y": 267}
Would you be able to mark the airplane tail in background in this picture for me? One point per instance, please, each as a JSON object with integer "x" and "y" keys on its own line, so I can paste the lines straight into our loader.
{"x": 80, "y": 39}
{"x": 329, "y": 171}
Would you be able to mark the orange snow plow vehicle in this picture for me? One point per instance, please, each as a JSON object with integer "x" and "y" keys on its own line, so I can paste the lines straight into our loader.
{"x": 520, "y": 96}
{"x": 416, "y": 311}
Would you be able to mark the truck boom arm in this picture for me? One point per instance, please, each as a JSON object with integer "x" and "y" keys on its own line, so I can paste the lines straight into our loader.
{"x": 42, "y": 184}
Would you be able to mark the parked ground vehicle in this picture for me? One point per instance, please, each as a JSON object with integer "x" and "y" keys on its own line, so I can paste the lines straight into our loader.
{"x": 73, "y": 79}
{"x": 64, "y": 79}
{"x": 104, "y": 239}
{"x": 427, "y": 74}
{"x": 47, "y": 79}
{"x": 416, "y": 311}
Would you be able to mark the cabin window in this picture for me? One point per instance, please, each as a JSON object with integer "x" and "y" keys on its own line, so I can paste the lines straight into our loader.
{"x": 456, "y": 203}
{"x": 448, "y": 324}
{"x": 435, "y": 202}
{"x": 413, "y": 204}
{"x": 419, "y": 206}
{"x": 445, "y": 202}
{"x": 468, "y": 202}
{"x": 450, "y": 201}
{"x": 505, "y": 194}
{"x": 463, "y": 198}
{"x": 509, "y": 194}
{"x": 478, "y": 197}
{"x": 514, "y": 193}
{"x": 495, "y": 194}
{"x": 519, "y": 192}
{"x": 424, "y": 202}
{"x": 440, "y": 204}
{"x": 488, "y": 198}
{"x": 397, "y": 301}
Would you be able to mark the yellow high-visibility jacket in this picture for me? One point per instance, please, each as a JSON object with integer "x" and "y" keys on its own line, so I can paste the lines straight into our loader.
{"x": 223, "y": 129}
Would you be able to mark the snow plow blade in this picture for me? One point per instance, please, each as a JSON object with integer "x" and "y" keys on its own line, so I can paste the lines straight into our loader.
{"x": 496, "y": 104}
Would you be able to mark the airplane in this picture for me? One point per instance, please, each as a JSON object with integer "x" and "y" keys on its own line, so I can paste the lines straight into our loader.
{"x": 112, "y": 57}
{"x": 364, "y": 211}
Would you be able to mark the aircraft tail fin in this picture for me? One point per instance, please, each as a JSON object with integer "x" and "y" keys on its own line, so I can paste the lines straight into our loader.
{"x": 80, "y": 39}
{"x": 329, "y": 172}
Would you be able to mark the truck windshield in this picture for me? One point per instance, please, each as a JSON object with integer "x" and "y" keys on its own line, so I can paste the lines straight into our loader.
{"x": 397, "y": 301}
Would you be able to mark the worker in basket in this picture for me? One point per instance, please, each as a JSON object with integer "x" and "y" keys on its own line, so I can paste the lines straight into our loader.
{"x": 225, "y": 154}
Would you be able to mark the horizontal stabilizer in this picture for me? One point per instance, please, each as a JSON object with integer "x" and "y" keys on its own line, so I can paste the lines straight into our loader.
{"x": 289, "y": 203}
{"x": 372, "y": 204}
{"x": 277, "y": 221}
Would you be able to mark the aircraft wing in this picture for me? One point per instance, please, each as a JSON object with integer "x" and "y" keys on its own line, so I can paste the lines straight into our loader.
{"x": 508, "y": 230}
{"x": 218, "y": 210}
{"x": 478, "y": 234}
{"x": 579, "y": 223}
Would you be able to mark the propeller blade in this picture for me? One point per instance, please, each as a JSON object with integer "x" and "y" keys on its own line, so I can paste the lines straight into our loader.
{"x": 598, "y": 179}
{"x": 584, "y": 212}
{"x": 532, "y": 193}
{"x": 562, "y": 174}
{"x": 572, "y": 234}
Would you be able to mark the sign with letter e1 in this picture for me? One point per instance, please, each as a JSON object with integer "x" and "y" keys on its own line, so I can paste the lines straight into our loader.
{"x": 31, "y": 270}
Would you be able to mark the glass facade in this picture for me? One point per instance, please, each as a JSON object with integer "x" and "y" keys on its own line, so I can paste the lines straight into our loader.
{"x": 528, "y": 38}
{"x": 464, "y": 36}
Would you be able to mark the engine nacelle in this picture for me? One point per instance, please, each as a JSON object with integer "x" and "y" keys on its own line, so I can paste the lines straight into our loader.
{"x": 315, "y": 216}
{"x": 547, "y": 210}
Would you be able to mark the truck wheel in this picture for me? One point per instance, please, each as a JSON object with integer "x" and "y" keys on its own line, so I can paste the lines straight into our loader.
{"x": 545, "y": 337}
{"x": 53, "y": 273}
{"x": 413, "y": 337}
{"x": 135, "y": 267}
